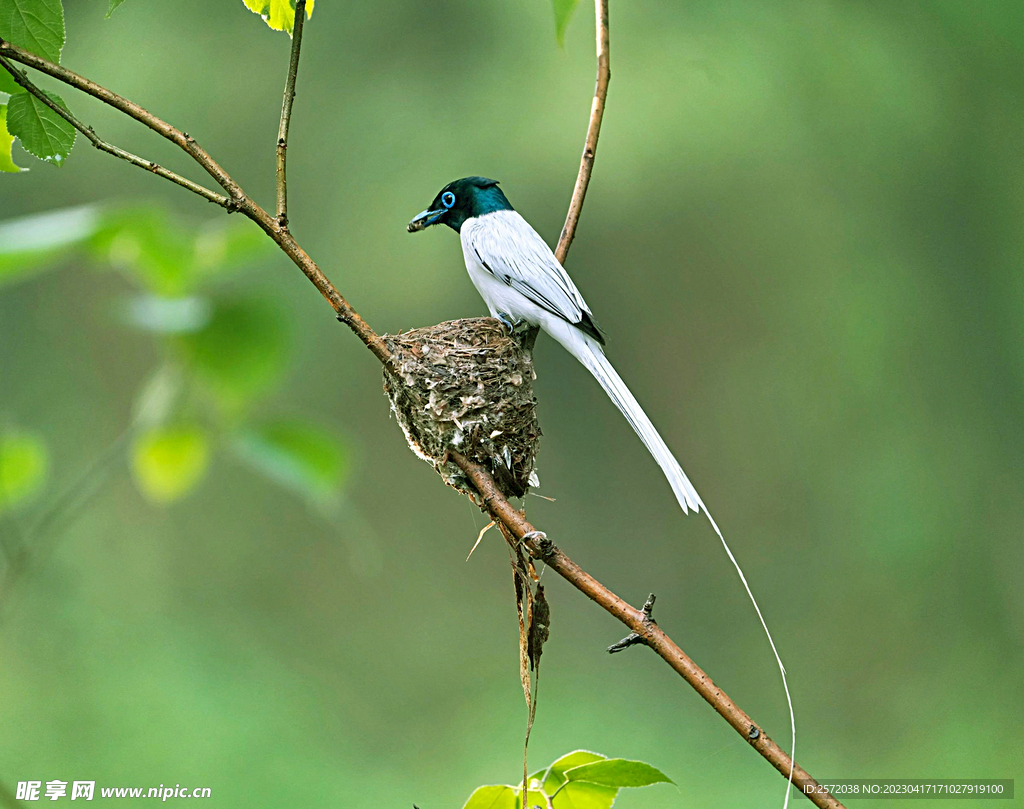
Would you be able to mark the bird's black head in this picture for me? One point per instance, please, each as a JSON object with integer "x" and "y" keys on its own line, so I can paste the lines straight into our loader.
{"x": 461, "y": 200}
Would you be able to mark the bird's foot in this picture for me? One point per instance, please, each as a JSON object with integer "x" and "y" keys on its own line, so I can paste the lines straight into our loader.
{"x": 508, "y": 321}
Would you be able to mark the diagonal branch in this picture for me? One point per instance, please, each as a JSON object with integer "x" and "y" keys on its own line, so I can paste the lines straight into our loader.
{"x": 604, "y": 75}
{"x": 130, "y": 108}
{"x": 286, "y": 115}
{"x": 242, "y": 201}
{"x": 21, "y": 78}
{"x": 492, "y": 498}
{"x": 639, "y": 622}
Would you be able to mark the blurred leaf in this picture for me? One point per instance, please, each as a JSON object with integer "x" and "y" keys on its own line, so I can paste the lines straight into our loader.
{"x": 618, "y": 772}
{"x": 493, "y": 797}
{"x": 113, "y": 4}
{"x": 23, "y": 463}
{"x": 7, "y": 163}
{"x": 29, "y": 243}
{"x": 168, "y": 462}
{"x": 563, "y": 13}
{"x": 36, "y": 25}
{"x": 278, "y": 14}
{"x": 154, "y": 403}
{"x": 42, "y": 131}
{"x": 225, "y": 244}
{"x": 167, "y": 315}
{"x": 241, "y": 352}
{"x": 171, "y": 257}
{"x": 301, "y": 456}
{"x": 151, "y": 246}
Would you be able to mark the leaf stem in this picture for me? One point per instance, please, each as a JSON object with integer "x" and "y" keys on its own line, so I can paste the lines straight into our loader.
{"x": 286, "y": 115}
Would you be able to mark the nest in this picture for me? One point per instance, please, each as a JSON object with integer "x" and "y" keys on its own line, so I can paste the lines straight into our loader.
{"x": 467, "y": 385}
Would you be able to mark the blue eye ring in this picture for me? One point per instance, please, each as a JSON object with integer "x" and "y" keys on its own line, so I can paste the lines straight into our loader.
{"x": 448, "y": 199}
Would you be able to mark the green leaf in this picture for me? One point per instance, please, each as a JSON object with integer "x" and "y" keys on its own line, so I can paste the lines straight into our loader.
{"x": 23, "y": 462}
{"x": 168, "y": 462}
{"x": 113, "y": 4}
{"x": 563, "y": 13}
{"x": 618, "y": 772}
{"x": 241, "y": 352}
{"x": 36, "y": 25}
{"x": 278, "y": 14}
{"x": 583, "y": 795}
{"x": 493, "y": 797}
{"x": 29, "y": 244}
{"x": 301, "y": 456}
{"x": 7, "y": 163}
{"x": 42, "y": 131}
{"x": 555, "y": 776}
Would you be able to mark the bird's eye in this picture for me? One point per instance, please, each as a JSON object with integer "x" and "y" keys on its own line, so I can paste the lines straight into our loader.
{"x": 448, "y": 199}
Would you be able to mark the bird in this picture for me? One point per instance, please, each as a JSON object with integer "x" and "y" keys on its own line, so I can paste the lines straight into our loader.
{"x": 525, "y": 286}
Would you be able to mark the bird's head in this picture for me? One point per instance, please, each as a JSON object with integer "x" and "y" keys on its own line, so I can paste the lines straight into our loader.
{"x": 461, "y": 200}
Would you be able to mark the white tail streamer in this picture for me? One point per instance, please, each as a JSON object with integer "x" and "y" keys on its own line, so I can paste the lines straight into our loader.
{"x": 589, "y": 352}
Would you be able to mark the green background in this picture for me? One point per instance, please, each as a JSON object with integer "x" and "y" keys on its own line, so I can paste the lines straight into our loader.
{"x": 804, "y": 240}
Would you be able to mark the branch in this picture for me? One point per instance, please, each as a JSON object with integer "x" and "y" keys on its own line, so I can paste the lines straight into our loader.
{"x": 640, "y": 623}
{"x": 130, "y": 108}
{"x": 22, "y": 79}
{"x": 242, "y": 201}
{"x": 286, "y": 115}
{"x": 492, "y": 498}
{"x": 604, "y": 75}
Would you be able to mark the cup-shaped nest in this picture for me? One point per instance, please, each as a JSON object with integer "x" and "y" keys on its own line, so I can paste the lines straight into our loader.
{"x": 467, "y": 385}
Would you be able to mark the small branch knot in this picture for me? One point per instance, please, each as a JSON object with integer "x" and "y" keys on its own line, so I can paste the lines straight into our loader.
{"x": 633, "y": 638}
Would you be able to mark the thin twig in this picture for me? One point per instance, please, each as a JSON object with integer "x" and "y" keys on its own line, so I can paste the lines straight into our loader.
{"x": 604, "y": 75}
{"x": 493, "y": 500}
{"x": 245, "y": 203}
{"x": 286, "y": 115}
{"x": 21, "y": 78}
{"x": 542, "y": 548}
{"x": 130, "y": 108}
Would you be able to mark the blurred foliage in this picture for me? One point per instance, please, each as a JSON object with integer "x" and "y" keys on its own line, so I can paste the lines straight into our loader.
{"x": 563, "y": 13}
{"x": 578, "y": 780}
{"x": 23, "y": 462}
{"x": 222, "y": 354}
{"x": 169, "y": 461}
{"x": 6, "y": 144}
{"x": 299, "y": 455}
{"x": 113, "y": 5}
{"x": 803, "y": 239}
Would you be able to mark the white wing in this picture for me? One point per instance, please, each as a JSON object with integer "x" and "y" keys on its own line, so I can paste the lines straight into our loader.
{"x": 515, "y": 254}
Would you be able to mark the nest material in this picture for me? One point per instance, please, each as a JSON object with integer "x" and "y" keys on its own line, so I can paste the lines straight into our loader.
{"x": 467, "y": 385}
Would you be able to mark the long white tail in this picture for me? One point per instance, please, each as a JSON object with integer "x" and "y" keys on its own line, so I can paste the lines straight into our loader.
{"x": 589, "y": 352}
